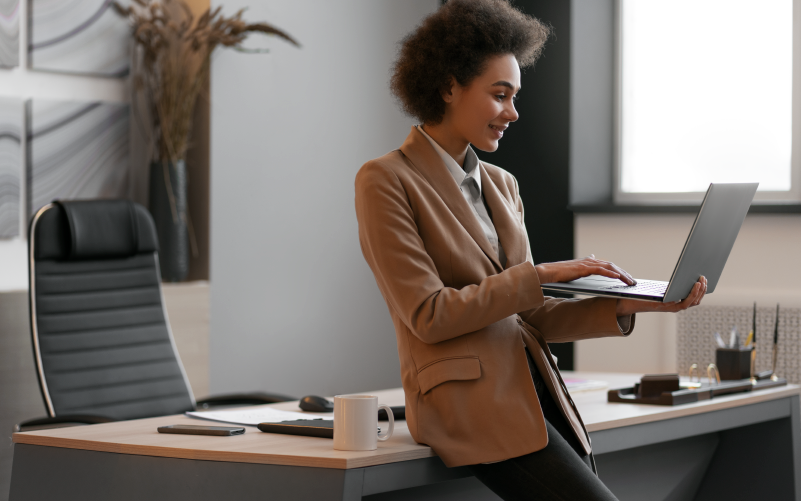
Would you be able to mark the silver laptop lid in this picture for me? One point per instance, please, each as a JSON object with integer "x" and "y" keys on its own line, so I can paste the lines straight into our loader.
{"x": 711, "y": 238}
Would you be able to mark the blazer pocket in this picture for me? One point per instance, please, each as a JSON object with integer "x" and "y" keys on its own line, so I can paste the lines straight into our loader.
{"x": 448, "y": 369}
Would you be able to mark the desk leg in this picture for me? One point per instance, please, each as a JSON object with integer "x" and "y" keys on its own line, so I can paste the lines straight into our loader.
{"x": 353, "y": 485}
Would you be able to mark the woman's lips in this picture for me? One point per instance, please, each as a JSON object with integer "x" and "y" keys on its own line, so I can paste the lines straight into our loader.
{"x": 498, "y": 130}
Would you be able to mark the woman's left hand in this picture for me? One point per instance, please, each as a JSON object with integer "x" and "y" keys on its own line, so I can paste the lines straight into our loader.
{"x": 629, "y": 306}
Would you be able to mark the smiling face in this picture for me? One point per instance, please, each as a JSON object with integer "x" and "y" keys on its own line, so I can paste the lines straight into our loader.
{"x": 479, "y": 112}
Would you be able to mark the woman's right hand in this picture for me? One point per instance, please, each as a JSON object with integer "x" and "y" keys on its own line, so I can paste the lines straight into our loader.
{"x": 565, "y": 271}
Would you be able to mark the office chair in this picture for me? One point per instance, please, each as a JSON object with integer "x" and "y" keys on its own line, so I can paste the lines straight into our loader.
{"x": 102, "y": 342}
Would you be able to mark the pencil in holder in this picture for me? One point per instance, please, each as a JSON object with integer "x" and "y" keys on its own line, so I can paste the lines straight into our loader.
{"x": 734, "y": 363}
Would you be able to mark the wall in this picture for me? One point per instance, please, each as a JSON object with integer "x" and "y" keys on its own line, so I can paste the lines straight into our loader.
{"x": 763, "y": 267}
{"x": 294, "y": 306}
{"x": 188, "y": 311}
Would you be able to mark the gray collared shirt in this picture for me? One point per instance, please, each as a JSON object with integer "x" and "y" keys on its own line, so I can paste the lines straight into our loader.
{"x": 469, "y": 182}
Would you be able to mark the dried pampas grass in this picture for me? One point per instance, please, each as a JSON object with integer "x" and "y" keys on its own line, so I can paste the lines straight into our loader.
{"x": 171, "y": 62}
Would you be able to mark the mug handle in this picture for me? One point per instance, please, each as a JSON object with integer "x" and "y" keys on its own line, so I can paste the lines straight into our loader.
{"x": 388, "y": 434}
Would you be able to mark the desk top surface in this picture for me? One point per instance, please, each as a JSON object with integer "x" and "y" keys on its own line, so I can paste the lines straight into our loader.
{"x": 140, "y": 437}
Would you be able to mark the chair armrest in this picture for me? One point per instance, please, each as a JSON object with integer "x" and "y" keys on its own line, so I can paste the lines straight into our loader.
{"x": 255, "y": 398}
{"x": 60, "y": 422}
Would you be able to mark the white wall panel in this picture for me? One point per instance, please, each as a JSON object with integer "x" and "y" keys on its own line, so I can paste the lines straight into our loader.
{"x": 294, "y": 306}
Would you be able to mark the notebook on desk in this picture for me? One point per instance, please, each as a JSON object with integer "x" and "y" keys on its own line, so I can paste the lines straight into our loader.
{"x": 705, "y": 251}
{"x": 323, "y": 428}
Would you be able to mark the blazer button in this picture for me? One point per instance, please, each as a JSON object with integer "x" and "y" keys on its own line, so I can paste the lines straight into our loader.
{"x": 519, "y": 321}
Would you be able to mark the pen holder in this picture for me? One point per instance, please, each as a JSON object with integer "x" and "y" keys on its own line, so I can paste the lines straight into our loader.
{"x": 734, "y": 363}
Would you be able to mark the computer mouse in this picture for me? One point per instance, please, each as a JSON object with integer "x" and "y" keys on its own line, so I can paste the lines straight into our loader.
{"x": 313, "y": 403}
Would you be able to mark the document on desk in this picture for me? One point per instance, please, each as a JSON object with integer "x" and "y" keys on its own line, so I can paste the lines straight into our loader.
{"x": 252, "y": 417}
{"x": 575, "y": 385}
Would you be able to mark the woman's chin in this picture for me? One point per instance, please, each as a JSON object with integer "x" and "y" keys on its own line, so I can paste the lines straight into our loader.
{"x": 488, "y": 145}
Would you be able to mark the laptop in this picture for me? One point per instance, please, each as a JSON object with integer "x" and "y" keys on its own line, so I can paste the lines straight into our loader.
{"x": 705, "y": 252}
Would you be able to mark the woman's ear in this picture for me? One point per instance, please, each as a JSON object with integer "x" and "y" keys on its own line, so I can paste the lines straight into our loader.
{"x": 448, "y": 90}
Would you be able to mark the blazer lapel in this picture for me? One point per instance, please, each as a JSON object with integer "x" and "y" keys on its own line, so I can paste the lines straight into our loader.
{"x": 425, "y": 158}
{"x": 506, "y": 220}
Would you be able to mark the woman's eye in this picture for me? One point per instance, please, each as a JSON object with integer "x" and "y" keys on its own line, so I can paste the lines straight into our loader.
{"x": 500, "y": 97}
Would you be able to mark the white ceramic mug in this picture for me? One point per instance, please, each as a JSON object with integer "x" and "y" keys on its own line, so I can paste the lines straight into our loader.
{"x": 356, "y": 423}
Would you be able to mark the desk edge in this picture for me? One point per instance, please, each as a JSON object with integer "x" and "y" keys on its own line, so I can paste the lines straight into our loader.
{"x": 223, "y": 456}
{"x": 682, "y": 411}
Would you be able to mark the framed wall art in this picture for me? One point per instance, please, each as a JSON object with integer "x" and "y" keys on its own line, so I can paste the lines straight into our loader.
{"x": 76, "y": 150}
{"x": 9, "y": 33}
{"x": 78, "y": 36}
{"x": 11, "y": 116}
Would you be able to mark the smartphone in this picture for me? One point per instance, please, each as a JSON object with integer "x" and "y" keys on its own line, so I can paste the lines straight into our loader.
{"x": 190, "y": 429}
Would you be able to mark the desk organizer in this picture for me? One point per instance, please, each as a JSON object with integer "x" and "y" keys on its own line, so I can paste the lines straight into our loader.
{"x": 686, "y": 395}
{"x": 734, "y": 363}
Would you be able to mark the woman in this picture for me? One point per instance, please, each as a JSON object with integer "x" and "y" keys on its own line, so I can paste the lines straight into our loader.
{"x": 445, "y": 238}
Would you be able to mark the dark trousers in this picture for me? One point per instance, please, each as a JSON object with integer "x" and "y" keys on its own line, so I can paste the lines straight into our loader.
{"x": 561, "y": 471}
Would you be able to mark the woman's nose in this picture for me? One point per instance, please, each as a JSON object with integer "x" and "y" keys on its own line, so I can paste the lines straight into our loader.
{"x": 510, "y": 113}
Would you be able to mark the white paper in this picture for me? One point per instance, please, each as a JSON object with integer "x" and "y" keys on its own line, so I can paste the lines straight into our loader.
{"x": 575, "y": 385}
{"x": 252, "y": 417}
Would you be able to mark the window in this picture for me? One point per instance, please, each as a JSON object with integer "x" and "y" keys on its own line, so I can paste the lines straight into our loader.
{"x": 705, "y": 94}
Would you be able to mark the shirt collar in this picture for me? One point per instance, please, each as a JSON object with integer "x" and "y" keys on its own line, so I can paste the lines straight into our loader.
{"x": 470, "y": 162}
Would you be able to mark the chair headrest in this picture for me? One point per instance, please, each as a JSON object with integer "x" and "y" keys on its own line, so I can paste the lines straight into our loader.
{"x": 100, "y": 229}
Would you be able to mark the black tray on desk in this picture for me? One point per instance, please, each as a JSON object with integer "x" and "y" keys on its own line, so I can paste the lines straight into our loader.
{"x": 689, "y": 395}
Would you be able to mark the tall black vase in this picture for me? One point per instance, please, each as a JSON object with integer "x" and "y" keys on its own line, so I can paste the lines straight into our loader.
{"x": 167, "y": 179}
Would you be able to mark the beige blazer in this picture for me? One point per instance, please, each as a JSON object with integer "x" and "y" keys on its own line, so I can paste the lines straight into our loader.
{"x": 462, "y": 320}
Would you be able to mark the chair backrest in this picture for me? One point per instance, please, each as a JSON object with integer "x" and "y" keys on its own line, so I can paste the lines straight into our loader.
{"x": 101, "y": 336}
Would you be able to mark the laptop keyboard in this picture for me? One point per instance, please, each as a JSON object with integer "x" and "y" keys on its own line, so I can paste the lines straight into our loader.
{"x": 645, "y": 286}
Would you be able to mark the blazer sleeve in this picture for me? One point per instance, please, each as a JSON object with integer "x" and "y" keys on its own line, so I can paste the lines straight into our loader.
{"x": 408, "y": 278}
{"x": 564, "y": 320}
